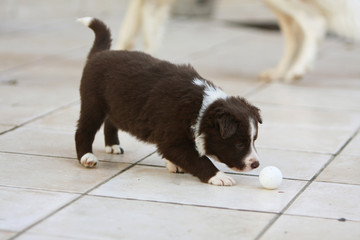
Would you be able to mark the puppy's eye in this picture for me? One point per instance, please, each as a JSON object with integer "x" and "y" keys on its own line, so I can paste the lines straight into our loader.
{"x": 239, "y": 146}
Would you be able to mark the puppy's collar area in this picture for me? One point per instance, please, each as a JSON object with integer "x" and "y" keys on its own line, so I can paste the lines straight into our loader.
{"x": 210, "y": 95}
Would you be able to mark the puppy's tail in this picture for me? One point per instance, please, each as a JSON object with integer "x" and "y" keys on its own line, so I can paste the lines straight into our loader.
{"x": 102, "y": 40}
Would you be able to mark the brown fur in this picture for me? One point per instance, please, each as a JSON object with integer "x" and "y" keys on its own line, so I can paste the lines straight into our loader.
{"x": 158, "y": 102}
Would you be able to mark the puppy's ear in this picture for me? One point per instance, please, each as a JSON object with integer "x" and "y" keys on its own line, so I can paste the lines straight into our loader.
{"x": 227, "y": 126}
{"x": 256, "y": 113}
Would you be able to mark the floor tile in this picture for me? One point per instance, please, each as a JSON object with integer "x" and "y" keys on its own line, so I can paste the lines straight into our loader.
{"x": 124, "y": 219}
{"x": 308, "y": 140}
{"x": 6, "y": 127}
{"x": 213, "y": 35}
{"x": 234, "y": 86}
{"x": 25, "y": 103}
{"x": 292, "y": 95}
{"x": 309, "y": 117}
{"x": 336, "y": 65}
{"x": 60, "y": 143}
{"x": 17, "y": 115}
{"x": 343, "y": 169}
{"x": 60, "y": 174}
{"x": 306, "y": 123}
{"x": 328, "y": 200}
{"x": 231, "y": 58}
{"x": 38, "y": 95}
{"x": 304, "y": 129}
{"x": 295, "y": 227}
{"x": 55, "y": 73}
{"x": 157, "y": 184}
{"x": 295, "y": 165}
{"x": 353, "y": 148}
{"x": 63, "y": 119}
{"x": 4, "y": 235}
{"x": 39, "y": 141}
{"x": 19, "y": 208}
{"x": 40, "y": 46}
{"x": 34, "y": 236}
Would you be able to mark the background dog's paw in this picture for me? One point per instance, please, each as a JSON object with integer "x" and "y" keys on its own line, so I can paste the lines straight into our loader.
{"x": 220, "y": 179}
{"x": 172, "y": 167}
{"x": 114, "y": 149}
{"x": 270, "y": 75}
{"x": 89, "y": 160}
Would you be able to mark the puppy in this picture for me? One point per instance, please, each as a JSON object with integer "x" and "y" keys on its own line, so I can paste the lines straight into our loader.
{"x": 187, "y": 117}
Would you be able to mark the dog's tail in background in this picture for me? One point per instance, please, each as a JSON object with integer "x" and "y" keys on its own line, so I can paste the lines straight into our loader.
{"x": 102, "y": 40}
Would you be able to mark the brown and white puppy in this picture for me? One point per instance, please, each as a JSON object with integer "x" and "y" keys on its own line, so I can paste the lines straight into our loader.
{"x": 187, "y": 117}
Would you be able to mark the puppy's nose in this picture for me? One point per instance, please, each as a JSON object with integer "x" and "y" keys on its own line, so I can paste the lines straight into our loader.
{"x": 255, "y": 164}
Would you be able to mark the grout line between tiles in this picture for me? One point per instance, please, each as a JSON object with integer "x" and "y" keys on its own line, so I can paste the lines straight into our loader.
{"x": 41, "y": 116}
{"x": 314, "y": 217}
{"x": 256, "y": 89}
{"x": 182, "y": 204}
{"x": 50, "y": 57}
{"x": 230, "y": 173}
{"x": 281, "y": 213}
{"x": 78, "y": 198}
{"x": 40, "y": 155}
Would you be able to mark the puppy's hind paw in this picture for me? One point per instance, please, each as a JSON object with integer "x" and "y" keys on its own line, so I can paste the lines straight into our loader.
{"x": 220, "y": 179}
{"x": 114, "y": 149}
{"x": 89, "y": 160}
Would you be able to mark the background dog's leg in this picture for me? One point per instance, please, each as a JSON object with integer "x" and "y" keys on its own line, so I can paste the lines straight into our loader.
{"x": 288, "y": 28}
{"x": 313, "y": 26}
{"x": 154, "y": 15}
{"x": 303, "y": 27}
{"x": 88, "y": 124}
{"x": 112, "y": 143}
{"x": 130, "y": 26}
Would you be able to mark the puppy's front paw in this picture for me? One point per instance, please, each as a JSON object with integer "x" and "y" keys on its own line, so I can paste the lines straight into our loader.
{"x": 220, "y": 179}
{"x": 89, "y": 160}
{"x": 114, "y": 149}
{"x": 172, "y": 167}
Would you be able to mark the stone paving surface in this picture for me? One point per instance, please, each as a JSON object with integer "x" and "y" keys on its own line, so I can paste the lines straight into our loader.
{"x": 310, "y": 131}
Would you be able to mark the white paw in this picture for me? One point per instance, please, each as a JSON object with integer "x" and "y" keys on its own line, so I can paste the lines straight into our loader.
{"x": 89, "y": 160}
{"x": 270, "y": 75}
{"x": 292, "y": 76}
{"x": 220, "y": 179}
{"x": 114, "y": 149}
{"x": 296, "y": 73}
{"x": 172, "y": 167}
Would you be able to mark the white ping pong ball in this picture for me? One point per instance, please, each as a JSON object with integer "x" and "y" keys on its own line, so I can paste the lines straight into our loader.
{"x": 270, "y": 177}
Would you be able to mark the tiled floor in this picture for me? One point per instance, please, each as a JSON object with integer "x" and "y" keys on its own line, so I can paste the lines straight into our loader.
{"x": 310, "y": 131}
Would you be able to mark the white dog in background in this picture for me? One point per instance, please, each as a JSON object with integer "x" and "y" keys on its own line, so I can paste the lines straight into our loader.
{"x": 148, "y": 16}
{"x": 302, "y": 22}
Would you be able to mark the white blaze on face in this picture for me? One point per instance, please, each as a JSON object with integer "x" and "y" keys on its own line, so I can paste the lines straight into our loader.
{"x": 252, "y": 155}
